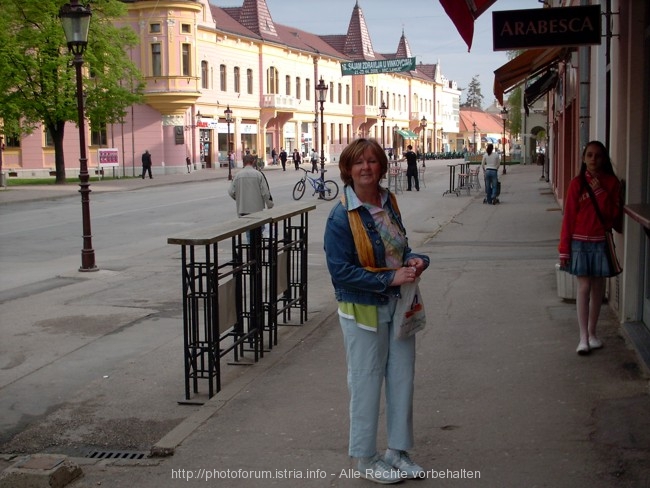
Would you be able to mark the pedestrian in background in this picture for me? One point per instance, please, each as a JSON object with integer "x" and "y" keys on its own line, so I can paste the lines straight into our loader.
{"x": 188, "y": 163}
{"x": 296, "y": 158}
{"x": 411, "y": 168}
{"x": 249, "y": 189}
{"x": 368, "y": 258}
{"x": 314, "y": 161}
{"x": 490, "y": 166}
{"x": 146, "y": 164}
{"x": 274, "y": 157}
{"x": 283, "y": 158}
{"x": 594, "y": 193}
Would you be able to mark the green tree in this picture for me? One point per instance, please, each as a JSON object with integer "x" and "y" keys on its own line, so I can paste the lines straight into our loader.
{"x": 473, "y": 94}
{"x": 38, "y": 84}
{"x": 514, "y": 112}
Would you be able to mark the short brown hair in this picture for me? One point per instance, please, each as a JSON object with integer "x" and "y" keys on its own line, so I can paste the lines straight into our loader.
{"x": 249, "y": 159}
{"x": 354, "y": 151}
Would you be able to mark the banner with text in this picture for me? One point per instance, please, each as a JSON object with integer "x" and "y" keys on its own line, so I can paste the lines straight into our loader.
{"x": 379, "y": 66}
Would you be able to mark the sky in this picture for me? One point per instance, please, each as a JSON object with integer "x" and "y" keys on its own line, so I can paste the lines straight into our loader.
{"x": 430, "y": 33}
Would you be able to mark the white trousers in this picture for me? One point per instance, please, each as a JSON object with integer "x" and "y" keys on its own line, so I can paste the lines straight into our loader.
{"x": 372, "y": 358}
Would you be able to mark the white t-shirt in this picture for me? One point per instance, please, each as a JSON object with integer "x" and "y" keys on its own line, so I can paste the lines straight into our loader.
{"x": 490, "y": 161}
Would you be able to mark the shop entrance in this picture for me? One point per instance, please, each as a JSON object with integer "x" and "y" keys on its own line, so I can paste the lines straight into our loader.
{"x": 206, "y": 148}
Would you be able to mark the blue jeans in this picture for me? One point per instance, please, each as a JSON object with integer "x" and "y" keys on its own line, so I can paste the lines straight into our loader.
{"x": 491, "y": 179}
{"x": 372, "y": 358}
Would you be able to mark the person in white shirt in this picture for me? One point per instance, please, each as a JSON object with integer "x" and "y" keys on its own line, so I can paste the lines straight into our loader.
{"x": 250, "y": 189}
{"x": 490, "y": 166}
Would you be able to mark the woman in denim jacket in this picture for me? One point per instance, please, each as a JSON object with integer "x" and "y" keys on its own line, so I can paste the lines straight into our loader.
{"x": 368, "y": 259}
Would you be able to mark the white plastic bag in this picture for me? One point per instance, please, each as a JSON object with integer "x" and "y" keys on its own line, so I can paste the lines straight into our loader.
{"x": 409, "y": 312}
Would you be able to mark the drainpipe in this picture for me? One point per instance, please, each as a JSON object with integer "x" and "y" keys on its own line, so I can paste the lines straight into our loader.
{"x": 584, "y": 61}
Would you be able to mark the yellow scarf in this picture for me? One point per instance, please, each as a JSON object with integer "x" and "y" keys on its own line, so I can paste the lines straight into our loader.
{"x": 361, "y": 237}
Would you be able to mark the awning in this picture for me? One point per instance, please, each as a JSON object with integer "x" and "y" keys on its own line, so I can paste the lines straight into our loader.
{"x": 493, "y": 140}
{"x": 463, "y": 13}
{"x": 407, "y": 134}
{"x": 539, "y": 88}
{"x": 530, "y": 63}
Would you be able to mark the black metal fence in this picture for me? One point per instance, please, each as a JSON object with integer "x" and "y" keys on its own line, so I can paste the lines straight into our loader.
{"x": 237, "y": 279}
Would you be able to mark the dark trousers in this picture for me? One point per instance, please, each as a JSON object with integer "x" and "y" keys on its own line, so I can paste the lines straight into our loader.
{"x": 284, "y": 164}
{"x": 412, "y": 172}
{"x": 146, "y": 169}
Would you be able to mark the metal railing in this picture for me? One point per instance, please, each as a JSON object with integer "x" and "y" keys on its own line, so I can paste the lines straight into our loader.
{"x": 236, "y": 282}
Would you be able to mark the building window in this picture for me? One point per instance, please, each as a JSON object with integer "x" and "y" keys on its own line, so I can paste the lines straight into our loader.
{"x": 308, "y": 89}
{"x": 186, "y": 59}
{"x": 236, "y": 81}
{"x": 186, "y": 28}
{"x": 298, "y": 88}
{"x": 156, "y": 60}
{"x": 154, "y": 28}
{"x": 272, "y": 81}
{"x": 11, "y": 140}
{"x": 287, "y": 82}
{"x": 204, "y": 74}
{"x": 331, "y": 90}
{"x": 49, "y": 140}
{"x": 222, "y": 77}
{"x": 99, "y": 137}
{"x": 340, "y": 93}
{"x": 249, "y": 81}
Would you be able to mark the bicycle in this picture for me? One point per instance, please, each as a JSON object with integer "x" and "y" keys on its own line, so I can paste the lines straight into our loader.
{"x": 326, "y": 189}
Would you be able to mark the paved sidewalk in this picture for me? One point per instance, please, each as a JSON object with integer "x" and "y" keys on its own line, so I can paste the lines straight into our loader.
{"x": 502, "y": 399}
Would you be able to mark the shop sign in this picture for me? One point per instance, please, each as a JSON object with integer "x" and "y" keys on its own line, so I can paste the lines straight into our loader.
{"x": 207, "y": 124}
{"x": 379, "y": 66}
{"x": 546, "y": 27}
{"x": 248, "y": 128}
{"x": 222, "y": 128}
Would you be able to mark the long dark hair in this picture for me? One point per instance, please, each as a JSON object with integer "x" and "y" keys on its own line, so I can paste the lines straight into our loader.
{"x": 607, "y": 165}
{"x": 490, "y": 148}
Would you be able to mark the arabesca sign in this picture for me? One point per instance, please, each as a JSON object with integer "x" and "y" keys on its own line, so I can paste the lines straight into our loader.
{"x": 546, "y": 27}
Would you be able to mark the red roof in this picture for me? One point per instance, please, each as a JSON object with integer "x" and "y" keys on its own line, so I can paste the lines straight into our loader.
{"x": 485, "y": 122}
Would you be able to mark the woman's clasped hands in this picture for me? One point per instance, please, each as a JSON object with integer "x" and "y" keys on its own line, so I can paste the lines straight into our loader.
{"x": 409, "y": 273}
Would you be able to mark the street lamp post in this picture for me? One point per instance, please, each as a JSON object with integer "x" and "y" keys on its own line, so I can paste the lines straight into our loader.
{"x": 75, "y": 19}
{"x": 228, "y": 114}
{"x": 382, "y": 114}
{"x": 474, "y": 141}
{"x": 198, "y": 121}
{"x": 322, "y": 94}
{"x": 423, "y": 124}
{"x": 504, "y": 117}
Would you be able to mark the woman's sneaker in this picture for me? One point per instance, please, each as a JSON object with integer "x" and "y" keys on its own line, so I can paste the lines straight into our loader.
{"x": 402, "y": 461}
{"x": 375, "y": 469}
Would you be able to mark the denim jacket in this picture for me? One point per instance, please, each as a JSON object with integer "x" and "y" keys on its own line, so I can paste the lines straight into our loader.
{"x": 352, "y": 283}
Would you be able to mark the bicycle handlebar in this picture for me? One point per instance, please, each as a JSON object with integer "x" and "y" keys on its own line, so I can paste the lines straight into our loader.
{"x": 306, "y": 171}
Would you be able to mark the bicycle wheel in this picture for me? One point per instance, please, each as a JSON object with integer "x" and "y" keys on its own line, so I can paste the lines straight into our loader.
{"x": 299, "y": 190}
{"x": 331, "y": 190}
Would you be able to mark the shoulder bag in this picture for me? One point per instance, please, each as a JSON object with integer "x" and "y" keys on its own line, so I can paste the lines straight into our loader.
{"x": 615, "y": 267}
